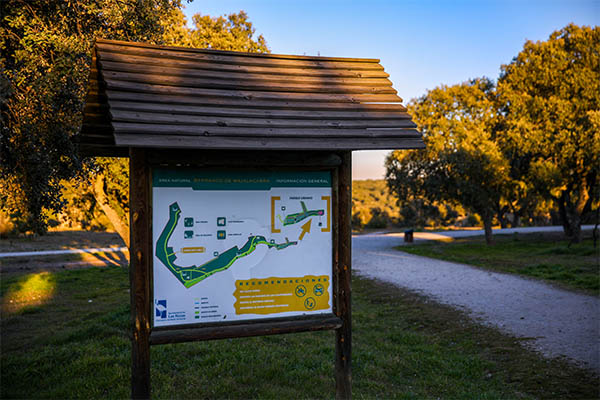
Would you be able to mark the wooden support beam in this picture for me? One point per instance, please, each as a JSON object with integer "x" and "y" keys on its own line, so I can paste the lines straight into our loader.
{"x": 173, "y": 141}
{"x": 139, "y": 272}
{"x": 244, "y": 159}
{"x": 244, "y": 330}
{"x": 343, "y": 335}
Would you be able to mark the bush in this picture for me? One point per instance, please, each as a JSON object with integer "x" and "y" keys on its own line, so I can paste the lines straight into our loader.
{"x": 379, "y": 219}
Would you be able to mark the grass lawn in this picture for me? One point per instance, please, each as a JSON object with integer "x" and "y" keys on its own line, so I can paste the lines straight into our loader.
{"x": 65, "y": 335}
{"x": 546, "y": 256}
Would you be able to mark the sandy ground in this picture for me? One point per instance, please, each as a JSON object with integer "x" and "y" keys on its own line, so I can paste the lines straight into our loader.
{"x": 554, "y": 321}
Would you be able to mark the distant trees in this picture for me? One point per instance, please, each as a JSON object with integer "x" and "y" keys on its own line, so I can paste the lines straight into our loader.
{"x": 45, "y": 51}
{"x": 533, "y": 138}
{"x": 372, "y": 205}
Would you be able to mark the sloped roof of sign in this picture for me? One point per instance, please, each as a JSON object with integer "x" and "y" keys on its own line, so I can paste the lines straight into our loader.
{"x": 150, "y": 96}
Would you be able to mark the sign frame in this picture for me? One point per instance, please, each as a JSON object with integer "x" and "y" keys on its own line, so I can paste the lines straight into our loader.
{"x": 185, "y": 176}
{"x": 141, "y": 256}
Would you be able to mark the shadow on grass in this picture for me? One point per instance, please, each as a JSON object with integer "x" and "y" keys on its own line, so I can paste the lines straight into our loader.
{"x": 76, "y": 345}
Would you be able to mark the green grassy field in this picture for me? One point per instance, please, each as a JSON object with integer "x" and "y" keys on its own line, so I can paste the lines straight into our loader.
{"x": 64, "y": 335}
{"x": 546, "y": 256}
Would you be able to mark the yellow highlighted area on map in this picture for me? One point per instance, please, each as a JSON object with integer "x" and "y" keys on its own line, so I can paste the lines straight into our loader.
{"x": 193, "y": 249}
{"x": 277, "y": 295}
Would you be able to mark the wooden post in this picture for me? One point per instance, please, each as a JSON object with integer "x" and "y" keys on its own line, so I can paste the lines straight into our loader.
{"x": 139, "y": 272}
{"x": 343, "y": 335}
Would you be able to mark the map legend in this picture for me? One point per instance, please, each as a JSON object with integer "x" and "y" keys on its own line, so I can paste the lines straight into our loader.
{"x": 271, "y": 295}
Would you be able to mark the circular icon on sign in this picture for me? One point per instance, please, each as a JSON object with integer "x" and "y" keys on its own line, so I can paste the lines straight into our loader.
{"x": 310, "y": 303}
{"x": 300, "y": 291}
{"x": 318, "y": 289}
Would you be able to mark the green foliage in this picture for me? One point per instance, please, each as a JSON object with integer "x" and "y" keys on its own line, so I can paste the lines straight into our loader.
{"x": 232, "y": 33}
{"x": 116, "y": 184}
{"x": 528, "y": 146}
{"x": 80, "y": 210}
{"x": 46, "y": 53}
{"x": 372, "y": 205}
{"x": 462, "y": 164}
{"x": 550, "y": 95}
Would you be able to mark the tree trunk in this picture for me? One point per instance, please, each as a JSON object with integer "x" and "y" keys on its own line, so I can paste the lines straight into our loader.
{"x": 502, "y": 216}
{"x": 571, "y": 219}
{"x": 516, "y": 222}
{"x": 121, "y": 227}
{"x": 487, "y": 226}
{"x": 595, "y": 231}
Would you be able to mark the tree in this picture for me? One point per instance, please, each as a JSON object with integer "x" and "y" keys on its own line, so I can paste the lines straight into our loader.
{"x": 46, "y": 47}
{"x": 550, "y": 95}
{"x": 110, "y": 184}
{"x": 46, "y": 54}
{"x": 232, "y": 33}
{"x": 462, "y": 162}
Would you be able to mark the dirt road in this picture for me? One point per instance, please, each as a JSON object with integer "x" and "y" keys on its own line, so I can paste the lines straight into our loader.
{"x": 558, "y": 322}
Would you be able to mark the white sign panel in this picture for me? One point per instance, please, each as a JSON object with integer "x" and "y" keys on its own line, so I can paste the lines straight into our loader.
{"x": 241, "y": 245}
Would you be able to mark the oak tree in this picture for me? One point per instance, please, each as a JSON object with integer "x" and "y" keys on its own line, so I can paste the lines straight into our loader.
{"x": 46, "y": 54}
{"x": 550, "y": 96}
{"x": 110, "y": 183}
{"x": 462, "y": 163}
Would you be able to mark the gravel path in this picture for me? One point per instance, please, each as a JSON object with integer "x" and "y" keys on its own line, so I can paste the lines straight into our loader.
{"x": 62, "y": 252}
{"x": 559, "y": 322}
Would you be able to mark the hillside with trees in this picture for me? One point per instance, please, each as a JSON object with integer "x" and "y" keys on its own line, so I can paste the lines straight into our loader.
{"x": 372, "y": 205}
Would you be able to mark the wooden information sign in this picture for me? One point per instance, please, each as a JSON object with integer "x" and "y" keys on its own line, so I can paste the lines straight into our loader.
{"x": 268, "y": 293}
{"x": 240, "y": 187}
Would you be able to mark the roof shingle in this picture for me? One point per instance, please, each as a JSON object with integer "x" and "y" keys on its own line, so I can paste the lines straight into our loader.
{"x": 169, "y": 97}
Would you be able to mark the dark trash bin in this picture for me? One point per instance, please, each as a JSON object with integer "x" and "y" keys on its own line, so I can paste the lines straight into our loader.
{"x": 408, "y": 235}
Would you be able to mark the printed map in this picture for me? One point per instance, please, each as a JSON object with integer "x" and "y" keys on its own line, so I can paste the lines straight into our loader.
{"x": 240, "y": 245}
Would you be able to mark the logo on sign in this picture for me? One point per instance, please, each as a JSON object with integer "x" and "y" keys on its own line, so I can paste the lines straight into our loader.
{"x": 161, "y": 308}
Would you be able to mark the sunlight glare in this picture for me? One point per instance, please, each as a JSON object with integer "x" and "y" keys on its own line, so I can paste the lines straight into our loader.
{"x": 34, "y": 290}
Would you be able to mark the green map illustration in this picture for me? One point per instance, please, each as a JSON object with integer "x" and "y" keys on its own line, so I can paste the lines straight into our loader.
{"x": 191, "y": 275}
{"x": 297, "y": 217}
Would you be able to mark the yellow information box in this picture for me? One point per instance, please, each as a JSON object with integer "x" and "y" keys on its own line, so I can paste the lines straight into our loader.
{"x": 277, "y": 295}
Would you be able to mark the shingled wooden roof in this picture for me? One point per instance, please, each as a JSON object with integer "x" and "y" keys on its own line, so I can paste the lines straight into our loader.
{"x": 173, "y": 97}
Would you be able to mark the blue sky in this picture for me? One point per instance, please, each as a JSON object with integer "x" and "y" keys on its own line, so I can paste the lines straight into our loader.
{"x": 421, "y": 44}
